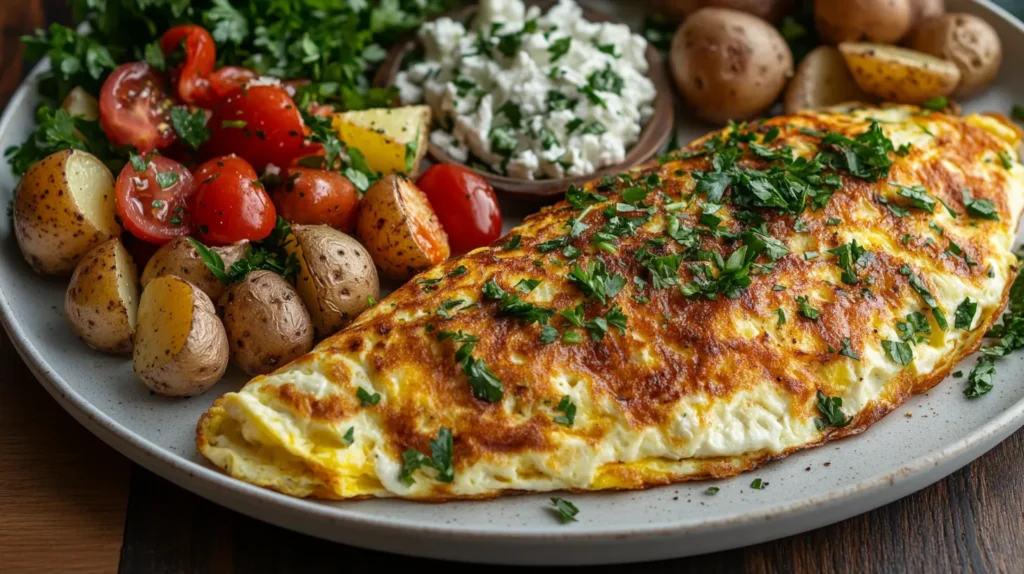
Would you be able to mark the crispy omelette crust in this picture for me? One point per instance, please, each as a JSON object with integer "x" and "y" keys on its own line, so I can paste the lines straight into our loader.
{"x": 694, "y": 388}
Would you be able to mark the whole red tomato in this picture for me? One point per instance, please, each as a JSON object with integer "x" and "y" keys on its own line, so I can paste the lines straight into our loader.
{"x": 153, "y": 202}
{"x": 190, "y": 76}
{"x": 230, "y": 204}
{"x": 135, "y": 110}
{"x": 465, "y": 205}
{"x": 261, "y": 124}
{"x": 316, "y": 196}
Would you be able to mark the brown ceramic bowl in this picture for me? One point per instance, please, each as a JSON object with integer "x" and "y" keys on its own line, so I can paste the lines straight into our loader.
{"x": 653, "y": 135}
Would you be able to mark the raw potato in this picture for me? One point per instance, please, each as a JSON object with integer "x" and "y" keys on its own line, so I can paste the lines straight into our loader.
{"x": 729, "y": 65}
{"x": 398, "y": 227}
{"x": 967, "y": 41}
{"x": 677, "y": 10}
{"x": 179, "y": 257}
{"x": 103, "y": 297}
{"x": 899, "y": 75}
{"x": 393, "y": 140}
{"x": 336, "y": 277}
{"x": 64, "y": 207}
{"x": 883, "y": 21}
{"x": 266, "y": 322}
{"x": 181, "y": 348}
{"x": 822, "y": 80}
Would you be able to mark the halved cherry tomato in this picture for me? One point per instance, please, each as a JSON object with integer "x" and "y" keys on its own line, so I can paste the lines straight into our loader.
{"x": 261, "y": 124}
{"x": 135, "y": 110}
{"x": 230, "y": 204}
{"x": 227, "y": 81}
{"x": 190, "y": 76}
{"x": 465, "y": 204}
{"x": 316, "y": 196}
{"x": 153, "y": 205}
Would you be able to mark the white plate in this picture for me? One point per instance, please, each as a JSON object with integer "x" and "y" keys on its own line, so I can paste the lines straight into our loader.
{"x": 897, "y": 456}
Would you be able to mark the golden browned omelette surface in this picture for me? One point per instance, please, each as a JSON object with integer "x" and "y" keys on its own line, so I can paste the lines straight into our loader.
{"x": 693, "y": 318}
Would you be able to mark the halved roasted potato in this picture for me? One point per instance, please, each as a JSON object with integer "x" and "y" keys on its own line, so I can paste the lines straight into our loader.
{"x": 393, "y": 140}
{"x": 80, "y": 103}
{"x": 267, "y": 324}
{"x": 180, "y": 257}
{"x": 337, "y": 277}
{"x": 400, "y": 229}
{"x": 103, "y": 297}
{"x": 181, "y": 348}
{"x": 64, "y": 207}
{"x": 822, "y": 80}
{"x": 968, "y": 41}
{"x": 898, "y": 74}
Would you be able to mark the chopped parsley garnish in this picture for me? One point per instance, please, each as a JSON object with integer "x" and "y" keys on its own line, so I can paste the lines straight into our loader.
{"x": 190, "y": 126}
{"x": 366, "y": 398}
{"x": 350, "y": 436}
{"x": 831, "y": 409}
{"x": 485, "y": 385}
{"x": 936, "y": 104}
{"x": 965, "y": 312}
{"x": 559, "y": 48}
{"x": 269, "y": 254}
{"x": 915, "y": 326}
{"x": 846, "y": 351}
{"x": 850, "y": 257}
{"x": 782, "y": 315}
{"x": 595, "y": 281}
{"x": 548, "y": 334}
{"x": 898, "y": 351}
{"x": 1005, "y": 159}
{"x": 929, "y": 299}
{"x": 758, "y": 484}
{"x": 512, "y": 243}
{"x": 565, "y": 510}
{"x": 511, "y": 305}
{"x": 806, "y": 310}
{"x": 568, "y": 410}
{"x": 527, "y": 285}
{"x": 606, "y": 80}
{"x": 167, "y": 179}
{"x": 712, "y": 490}
{"x": 579, "y": 197}
{"x": 440, "y": 459}
{"x": 979, "y": 382}
{"x": 917, "y": 195}
{"x": 982, "y": 208}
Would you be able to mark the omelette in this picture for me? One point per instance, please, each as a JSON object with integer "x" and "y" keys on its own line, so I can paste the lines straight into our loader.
{"x": 768, "y": 288}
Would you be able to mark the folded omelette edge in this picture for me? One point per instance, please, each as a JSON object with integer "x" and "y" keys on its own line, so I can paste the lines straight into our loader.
{"x": 598, "y": 360}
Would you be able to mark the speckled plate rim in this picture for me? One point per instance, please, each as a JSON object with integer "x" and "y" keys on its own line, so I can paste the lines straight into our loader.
{"x": 539, "y": 544}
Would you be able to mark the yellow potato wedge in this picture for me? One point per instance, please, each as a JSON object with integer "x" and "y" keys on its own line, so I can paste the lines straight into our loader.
{"x": 399, "y": 228}
{"x": 898, "y": 74}
{"x": 393, "y": 140}
{"x": 103, "y": 297}
{"x": 181, "y": 348}
{"x": 64, "y": 207}
{"x": 822, "y": 80}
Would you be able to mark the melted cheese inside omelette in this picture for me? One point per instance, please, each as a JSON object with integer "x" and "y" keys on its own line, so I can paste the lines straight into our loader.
{"x": 693, "y": 387}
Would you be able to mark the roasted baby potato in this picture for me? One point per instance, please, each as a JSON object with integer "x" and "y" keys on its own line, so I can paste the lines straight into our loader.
{"x": 64, "y": 207}
{"x": 677, "y": 10}
{"x": 180, "y": 257}
{"x": 882, "y": 21}
{"x": 729, "y": 65}
{"x": 266, "y": 323}
{"x": 922, "y": 10}
{"x": 336, "y": 278}
{"x": 80, "y": 103}
{"x": 822, "y": 79}
{"x": 967, "y": 41}
{"x": 899, "y": 75}
{"x": 399, "y": 228}
{"x": 181, "y": 348}
{"x": 393, "y": 140}
{"x": 103, "y": 298}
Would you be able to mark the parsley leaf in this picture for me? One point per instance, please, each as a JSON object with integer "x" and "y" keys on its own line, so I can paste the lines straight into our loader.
{"x": 190, "y": 127}
{"x": 366, "y": 398}
{"x": 806, "y": 310}
{"x": 595, "y": 281}
{"x": 831, "y": 409}
{"x": 441, "y": 451}
{"x": 965, "y": 312}
{"x": 982, "y": 208}
{"x": 568, "y": 410}
{"x": 566, "y": 511}
{"x": 898, "y": 351}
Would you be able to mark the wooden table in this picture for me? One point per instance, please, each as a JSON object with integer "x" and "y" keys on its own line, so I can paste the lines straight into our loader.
{"x": 69, "y": 503}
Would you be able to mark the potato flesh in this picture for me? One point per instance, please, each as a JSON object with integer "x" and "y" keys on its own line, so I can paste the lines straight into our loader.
{"x": 899, "y": 75}
{"x": 164, "y": 322}
{"x": 127, "y": 283}
{"x": 383, "y": 134}
{"x": 91, "y": 187}
{"x": 102, "y": 298}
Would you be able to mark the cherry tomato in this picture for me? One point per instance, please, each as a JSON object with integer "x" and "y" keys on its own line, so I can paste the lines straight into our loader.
{"x": 465, "y": 206}
{"x": 230, "y": 204}
{"x": 316, "y": 196}
{"x": 261, "y": 124}
{"x": 200, "y": 56}
{"x": 135, "y": 110}
{"x": 227, "y": 81}
{"x": 153, "y": 205}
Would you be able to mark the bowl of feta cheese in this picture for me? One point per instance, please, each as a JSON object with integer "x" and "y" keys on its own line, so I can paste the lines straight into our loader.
{"x": 535, "y": 96}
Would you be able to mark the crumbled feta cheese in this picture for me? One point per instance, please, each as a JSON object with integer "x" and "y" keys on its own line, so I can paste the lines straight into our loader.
{"x": 529, "y": 94}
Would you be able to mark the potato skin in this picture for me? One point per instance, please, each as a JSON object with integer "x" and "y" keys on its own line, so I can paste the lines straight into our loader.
{"x": 200, "y": 363}
{"x": 50, "y": 228}
{"x": 179, "y": 257}
{"x": 882, "y": 21}
{"x": 899, "y": 75}
{"x": 729, "y": 65}
{"x": 266, "y": 322}
{"x": 822, "y": 79}
{"x": 677, "y": 10}
{"x": 336, "y": 279}
{"x": 922, "y": 10}
{"x": 384, "y": 227}
{"x": 93, "y": 304}
{"x": 967, "y": 41}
